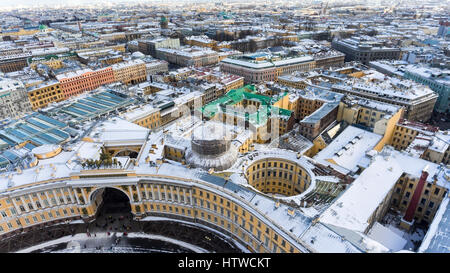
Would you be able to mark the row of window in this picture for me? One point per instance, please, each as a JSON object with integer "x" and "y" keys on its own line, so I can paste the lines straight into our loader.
{"x": 275, "y": 165}
{"x": 41, "y": 216}
{"x": 248, "y": 226}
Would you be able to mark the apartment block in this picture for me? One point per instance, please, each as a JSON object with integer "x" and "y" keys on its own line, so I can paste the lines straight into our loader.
{"x": 77, "y": 82}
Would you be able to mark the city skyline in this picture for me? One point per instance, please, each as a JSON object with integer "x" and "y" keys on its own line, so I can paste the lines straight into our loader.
{"x": 225, "y": 127}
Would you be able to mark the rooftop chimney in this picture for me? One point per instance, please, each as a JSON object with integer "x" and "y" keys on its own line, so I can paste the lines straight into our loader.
{"x": 409, "y": 215}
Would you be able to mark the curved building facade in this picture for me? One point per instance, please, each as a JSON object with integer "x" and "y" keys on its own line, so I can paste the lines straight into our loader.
{"x": 236, "y": 201}
{"x": 217, "y": 203}
{"x": 279, "y": 175}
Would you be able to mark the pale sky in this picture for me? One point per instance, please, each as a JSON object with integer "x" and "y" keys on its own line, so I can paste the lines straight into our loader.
{"x": 56, "y": 3}
{"x": 7, "y": 3}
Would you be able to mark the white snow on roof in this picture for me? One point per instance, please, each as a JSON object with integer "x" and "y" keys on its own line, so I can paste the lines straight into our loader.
{"x": 387, "y": 237}
{"x": 127, "y": 63}
{"x": 89, "y": 150}
{"x": 349, "y": 147}
{"x": 139, "y": 112}
{"x": 44, "y": 149}
{"x": 414, "y": 166}
{"x": 267, "y": 64}
{"x": 120, "y": 131}
{"x": 356, "y": 205}
{"x": 440, "y": 142}
{"x": 437, "y": 238}
{"x": 324, "y": 240}
{"x": 213, "y": 131}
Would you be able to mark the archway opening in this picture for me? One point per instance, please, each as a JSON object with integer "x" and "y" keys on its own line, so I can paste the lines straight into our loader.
{"x": 129, "y": 153}
{"x": 114, "y": 202}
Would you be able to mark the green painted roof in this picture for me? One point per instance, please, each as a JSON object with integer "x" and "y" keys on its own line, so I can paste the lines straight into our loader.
{"x": 235, "y": 96}
{"x": 51, "y": 57}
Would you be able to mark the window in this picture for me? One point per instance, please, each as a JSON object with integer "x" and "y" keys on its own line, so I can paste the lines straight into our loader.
{"x": 431, "y": 205}
{"x": 275, "y": 247}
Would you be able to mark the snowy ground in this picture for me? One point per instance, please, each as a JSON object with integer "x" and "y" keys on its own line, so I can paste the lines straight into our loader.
{"x": 414, "y": 237}
{"x": 236, "y": 243}
{"x": 121, "y": 235}
{"x": 102, "y": 243}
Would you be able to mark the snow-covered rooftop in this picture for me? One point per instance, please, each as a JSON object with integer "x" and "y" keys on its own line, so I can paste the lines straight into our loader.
{"x": 139, "y": 112}
{"x": 353, "y": 209}
{"x": 437, "y": 239}
{"x": 387, "y": 237}
{"x": 348, "y": 147}
{"x": 118, "y": 131}
{"x": 266, "y": 63}
{"x": 356, "y": 205}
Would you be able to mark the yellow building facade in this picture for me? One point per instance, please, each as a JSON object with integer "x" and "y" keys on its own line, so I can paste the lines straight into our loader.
{"x": 430, "y": 199}
{"x": 235, "y": 84}
{"x": 54, "y": 64}
{"x": 278, "y": 176}
{"x": 42, "y": 95}
{"x": 149, "y": 195}
{"x": 145, "y": 116}
{"x": 132, "y": 72}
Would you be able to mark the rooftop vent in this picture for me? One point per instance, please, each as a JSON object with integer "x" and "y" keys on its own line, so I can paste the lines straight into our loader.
{"x": 277, "y": 205}
{"x": 291, "y": 212}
